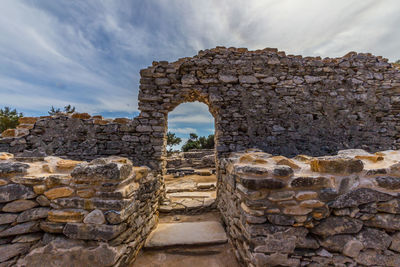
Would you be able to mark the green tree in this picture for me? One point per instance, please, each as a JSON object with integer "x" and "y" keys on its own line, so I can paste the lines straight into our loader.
{"x": 67, "y": 109}
{"x": 196, "y": 142}
{"x": 172, "y": 140}
{"x": 9, "y": 118}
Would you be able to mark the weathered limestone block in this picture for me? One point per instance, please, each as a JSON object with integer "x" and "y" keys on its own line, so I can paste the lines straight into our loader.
{"x": 392, "y": 206}
{"x": 52, "y": 227}
{"x": 9, "y": 251}
{"x": 336, "y": 165}
{"x": 33, "y": 214}
{"x": 384, "y": 221}
{"x": 93, "y": 231}
{"x": 374, "y": 238}
{"x": 311, "y": 182}
{"x": 352, "y": 248}
{"x": 111, "y": 171}
{"x": 388, "y": 182}
{"x": 358, "y": 197}
{"x": 66, "y": 253}
{"x": 7, "y": 168}
{"x": 59, "y": 192}
{"x": 337, "y": 225}
{"x": 336, "y": 243}
{"x": 12, "y": 192}
{"x": 19, "y": 205}
{"x": 64, "y": 216}
{"x": 19, "y": 229}
{"x": 67, "y": 164}
{"x": 95, "y": 217}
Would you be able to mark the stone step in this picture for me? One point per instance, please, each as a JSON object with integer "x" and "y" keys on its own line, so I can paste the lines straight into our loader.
{"x": 186, "y": 234}
{"x": 198, "y": 194}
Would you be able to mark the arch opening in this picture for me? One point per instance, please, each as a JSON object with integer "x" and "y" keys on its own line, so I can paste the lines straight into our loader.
{"x": 189, "y": 159}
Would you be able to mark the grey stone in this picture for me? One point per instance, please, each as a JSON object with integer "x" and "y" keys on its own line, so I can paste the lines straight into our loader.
{"x": 352, "y": 248}
{"x": 6, "y": 218}
{"x": 66, "y": 253}
{"x": 19, "y": 229}
{"x": 374, "y": 238}
{"x": 388, "y": 182}
{"x": 395, "y": 245}
{"x": 12, "y": 192}
{"x": 33, "y": 214}
{"x": 358, "y": 197}
{"x": 337, "y": 225}
{"x": 9, "y": 251}
{"x": 255, "y": 183}
{"x": 99, "y": 232}
{"x": 316, "y": 182}
{"x": 186, "y": 233}
{"x": 43, "y": 201}
{"x": 29, "y": 238}
{"x": 389, "y": 222}
{"x": 280, "y": 219}
{"x": 52, "y": 227}
{"x": 227, "y": 78}
{"x": 95, "y": 217}
{"x": 286, "y": 245}
{"x": 19, "y": 205}
{"x": 283, "y": 171}
{"x": 336, "y": 243}
{"x": 13, "y": 168}
{"x": 110, "y": 171}
{"x": 248, "y": 79}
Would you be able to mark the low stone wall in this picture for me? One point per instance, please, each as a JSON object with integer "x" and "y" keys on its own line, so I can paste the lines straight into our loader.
{"x": 69, "y": 213}
{"x": 340, "y": 210}
{"x": 195, "y": 158}
{"x": 80, "y": 136}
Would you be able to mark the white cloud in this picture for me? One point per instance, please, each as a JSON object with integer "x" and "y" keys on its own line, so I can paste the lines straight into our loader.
{"x": 186, "y": 130}
{"x": 199, "y": 118}
{"x": 89, "y": 53}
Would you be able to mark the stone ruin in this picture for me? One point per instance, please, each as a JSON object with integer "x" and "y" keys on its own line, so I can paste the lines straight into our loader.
{"x": 74, "y": 193}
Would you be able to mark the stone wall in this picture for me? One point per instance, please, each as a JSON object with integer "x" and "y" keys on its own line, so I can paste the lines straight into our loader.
{"x": 264, "y": 99}
{"x": 195, "y": 158}
{"x": 280, "y": 103}
{"x": 80, "y": 136}
{"x": 70, "y": 213}
{"x": 339, "y": 210}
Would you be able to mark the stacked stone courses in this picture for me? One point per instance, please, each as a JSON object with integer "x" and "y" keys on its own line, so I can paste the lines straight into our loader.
{"x": 87, "y": 214}
{"x": 341, "y": 210}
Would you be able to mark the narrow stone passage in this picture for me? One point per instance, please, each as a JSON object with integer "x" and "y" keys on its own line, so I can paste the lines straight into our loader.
{"x": 188, "y": 240}
{"x": 190, "y": 230}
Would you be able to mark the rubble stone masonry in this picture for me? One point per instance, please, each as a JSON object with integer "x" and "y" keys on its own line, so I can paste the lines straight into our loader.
{"x": 341, "y": 210}
{"x": 68, "y": 213}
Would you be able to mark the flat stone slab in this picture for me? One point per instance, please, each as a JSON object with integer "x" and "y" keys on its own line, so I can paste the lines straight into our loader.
{"x": 192, "y": 195}
{"x": 188, "y": 233}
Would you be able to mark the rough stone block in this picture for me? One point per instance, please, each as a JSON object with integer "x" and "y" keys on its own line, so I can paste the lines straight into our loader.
{"x": 93, "y": 231}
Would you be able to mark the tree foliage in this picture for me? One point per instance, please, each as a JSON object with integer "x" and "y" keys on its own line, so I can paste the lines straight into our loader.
{"x": 9, "y": 118}
{"x": 67, "y": 109}
{"x": 196, "y": 142}
{"x": 172, "y": 140}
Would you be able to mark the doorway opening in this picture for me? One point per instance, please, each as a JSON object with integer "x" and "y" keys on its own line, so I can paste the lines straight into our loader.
{"x": 190, "y": 179}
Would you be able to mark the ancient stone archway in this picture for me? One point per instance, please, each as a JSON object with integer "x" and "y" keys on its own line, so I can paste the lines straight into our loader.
{"x": 263, "y": 99}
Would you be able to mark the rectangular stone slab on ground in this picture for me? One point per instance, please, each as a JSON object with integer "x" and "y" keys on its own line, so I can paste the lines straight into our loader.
{"x": 189, "y": 233}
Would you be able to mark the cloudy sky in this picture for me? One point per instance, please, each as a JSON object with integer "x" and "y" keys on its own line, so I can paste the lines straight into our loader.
{"x": 89, "y": 53}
